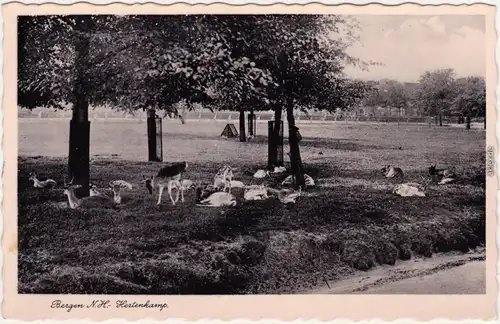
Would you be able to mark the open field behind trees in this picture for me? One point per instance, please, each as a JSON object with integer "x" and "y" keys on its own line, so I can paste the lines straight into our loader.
{"x": 127, "y": 139}
{"x": 350, "y": 222}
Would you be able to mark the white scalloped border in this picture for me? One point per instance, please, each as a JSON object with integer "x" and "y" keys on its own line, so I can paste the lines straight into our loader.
{"x": 263, "y": 3}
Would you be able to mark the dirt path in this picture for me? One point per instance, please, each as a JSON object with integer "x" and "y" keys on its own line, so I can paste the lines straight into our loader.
{"x": 443, "y": 274}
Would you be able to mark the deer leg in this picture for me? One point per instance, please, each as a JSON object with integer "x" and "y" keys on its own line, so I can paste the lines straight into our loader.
{"x": 170, "y": 193}
{"x": 160, "y": 192}
{"x": 179, "y": 188}
{"x": 182, "y": 193}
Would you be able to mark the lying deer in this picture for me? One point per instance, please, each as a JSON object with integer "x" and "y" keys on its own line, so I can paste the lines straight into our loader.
{"x": 255, "y": 192}
{"x": 85, "y": 202}
{"x": 203, "y": 192}
{"x": 286, "y": 196}
{"x": 392, "y": 172}
{"x": 443, "y": 173}
{"x": 41, "y": 184}
{"x": 117, "y": 186}
{"x": 261, "y": 174}
{"x": 168, "y": 176}
{"x": 412, "y": 188}
{"x": 216, "y": 199}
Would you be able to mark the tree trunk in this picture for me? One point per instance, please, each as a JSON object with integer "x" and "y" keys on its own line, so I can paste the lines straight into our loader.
{"x": 79, "y": 129}
{"x": 272, "y": 159}
{"x": 243, "y": 137}
{"x": 151, "y": 129}
{"x": 440, "y": 119}
{"x": 467, "y": 121}
{"x": 295, "y": 160}
{"x": 251, "y": 123}
{"x": 274, "y": 139}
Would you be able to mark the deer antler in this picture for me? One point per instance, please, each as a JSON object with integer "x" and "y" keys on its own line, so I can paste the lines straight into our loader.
{"x": 69, "y": 183}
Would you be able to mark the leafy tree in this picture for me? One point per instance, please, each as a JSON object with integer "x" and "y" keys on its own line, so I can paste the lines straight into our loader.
{"x": 375, "y": 96}
{"x": 436, "y": 92}
{"x": 388, "y": 93}
{"x": 470, "y": 100}
{"x": 397, "y": 95}
{"x": 343, "y": 95}
{"x": 301, "y": 57}
{"x": 47, "y": 67}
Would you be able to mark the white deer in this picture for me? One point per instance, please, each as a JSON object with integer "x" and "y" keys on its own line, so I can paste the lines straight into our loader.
{"x": 260, "y": 174}
{"x": 218, "y": 199}
{"x": 255, "y": 193}
{"x": 41, "y": 184}
{"x": 224, "y": 176}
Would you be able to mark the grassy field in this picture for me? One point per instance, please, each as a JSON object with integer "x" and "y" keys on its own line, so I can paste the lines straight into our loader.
{"x": 349, "y": 223}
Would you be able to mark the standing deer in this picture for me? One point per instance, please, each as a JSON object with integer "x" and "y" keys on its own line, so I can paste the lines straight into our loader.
{"x": 168, "y": 176}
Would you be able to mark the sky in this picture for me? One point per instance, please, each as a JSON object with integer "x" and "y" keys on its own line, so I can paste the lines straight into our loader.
{"x": 407, "y": 46}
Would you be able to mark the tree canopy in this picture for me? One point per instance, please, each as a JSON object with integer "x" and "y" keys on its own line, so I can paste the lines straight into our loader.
{"x": 138, "y": 62}
{"x": 436, "y": 92}
{"x": 470, "y": 99}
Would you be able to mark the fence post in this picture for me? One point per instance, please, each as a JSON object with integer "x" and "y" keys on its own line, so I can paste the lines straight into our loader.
{"x": 154, "y": 129}
{"x": 251, "y": 123}
{"x": 159, "y": 138}
{"x": 275, "y": 150}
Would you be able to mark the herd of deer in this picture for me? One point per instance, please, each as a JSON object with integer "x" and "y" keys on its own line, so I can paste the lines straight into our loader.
{"x": 441, "y": 176}
{"x": 171, "y": 178}
{"x": 215, "y": 195}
